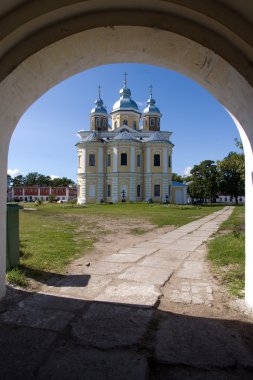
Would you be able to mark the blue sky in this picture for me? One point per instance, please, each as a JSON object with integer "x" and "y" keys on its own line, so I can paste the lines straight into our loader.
{"x": 45, "y": 137}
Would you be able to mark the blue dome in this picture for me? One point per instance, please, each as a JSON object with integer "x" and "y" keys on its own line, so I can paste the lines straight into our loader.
{"x": 151, "y": 107}
{"x": 125, "y": 102}
{"x": 99, "y": 105}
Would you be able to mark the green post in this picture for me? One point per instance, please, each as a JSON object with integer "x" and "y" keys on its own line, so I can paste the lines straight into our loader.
{"x": 12, "y": 241}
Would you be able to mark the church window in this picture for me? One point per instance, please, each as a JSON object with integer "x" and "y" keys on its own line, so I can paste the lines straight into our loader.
{"x": 92, "y": 161}
{"x": 156, "y": 159}
{"x": 134, "y": 124}
{"x": 157, "y": 190}
{"x": 169, "y": 161}
{"x": 104, "y": 122}
{"x": 123, "y": 159}
{"x": 108, "y": 190}
{"x": 108, "y": 160}
{"x": 138, "y": 191}
{"x": 125, "y": 122}
{"x": 97, "y": 122}
{"x": 138, "y": 160}
{"x": 158, "y": 122}
{"x": 152, "y": 122}
{"x": 115, "y": 124}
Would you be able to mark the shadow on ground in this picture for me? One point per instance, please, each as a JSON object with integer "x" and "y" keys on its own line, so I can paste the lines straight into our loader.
{"x": 48, "y": 337}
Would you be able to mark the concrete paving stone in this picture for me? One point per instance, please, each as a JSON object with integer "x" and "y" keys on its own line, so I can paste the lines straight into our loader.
{"x": 49, "y": 319}
{"x": 197, "y": 299}
{"x": 123, "y": 258}
{"x": 144, "y": 274}
{"x": 184, "y": 245}
{"x": 191, "y": 270}
{"x": 156, "y": 261}
{"x": 104, "y": 268}
{"x": 180, "y": 297}
{"x": 138, "y": 251}
{"x": 163, "y": 372}
{"x": 150, "y": 244}
{"x": 46, "y": 301}
{"x": 130, "y": 293}
{"x": 69, "y": 361}
{"x": 107, "y": 326}
{"x": 96, "y": 284}
{"x": 201, "y": 343}
{"x": 22, "y": 351}
{"x": 171, "y": 253}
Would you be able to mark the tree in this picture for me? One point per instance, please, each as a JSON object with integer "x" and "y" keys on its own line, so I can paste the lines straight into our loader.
{"x": 31, "y": 179}
{"x": 176, "y": 177}
{"x": 232, "y": 175}
{"x": 9, "y": 181}
{"x": 205, "y": 183}
{"x": 18, "y": 180}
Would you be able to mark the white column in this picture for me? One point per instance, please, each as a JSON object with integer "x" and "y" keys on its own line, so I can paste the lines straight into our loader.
{"x": 83, "y": 161}
{"x": 165, "y": 188}
{"x": 115, "y": 189}
{"x": 132, "y": 188}
{"x": 132, "y": 166}
{"x": 82, "y": 196}
{"x": 148, "y": 159}
{"x": 115, "y": 159}
{"x": 148, "y": 191}
{"x": 100, "y": 160}
{"x": 165, "y": 160}
{"x": 100, "y": 188}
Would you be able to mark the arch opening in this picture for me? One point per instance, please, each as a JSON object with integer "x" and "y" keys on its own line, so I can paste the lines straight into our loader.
{"x": 76, "y": 53}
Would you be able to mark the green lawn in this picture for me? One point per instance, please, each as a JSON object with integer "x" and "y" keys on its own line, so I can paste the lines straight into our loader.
{"x": 55, "y": 234}
{"x": 227, "y": 252}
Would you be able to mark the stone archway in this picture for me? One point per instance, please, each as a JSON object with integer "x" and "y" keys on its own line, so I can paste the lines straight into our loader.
{"x": 54, "y": 63}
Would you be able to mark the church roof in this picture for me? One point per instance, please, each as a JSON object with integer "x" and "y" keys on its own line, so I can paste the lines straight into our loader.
{"x": 156, "y": 136}
{"x": 92, "y": 137}
{"x": 124, "y": 136}
{"x": 179, "y": 184}
{"x": 125, "y": 102}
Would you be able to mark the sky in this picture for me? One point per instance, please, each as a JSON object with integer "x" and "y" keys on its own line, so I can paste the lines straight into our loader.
{"x": 45, "y": 137}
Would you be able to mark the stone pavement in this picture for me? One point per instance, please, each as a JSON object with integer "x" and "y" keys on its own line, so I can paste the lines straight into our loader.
{"x": 113, "y": 331}
{"x": 171, "y": 267}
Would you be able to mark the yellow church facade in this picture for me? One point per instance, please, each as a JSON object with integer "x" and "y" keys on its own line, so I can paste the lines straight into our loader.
{"x": 122, "y": 161}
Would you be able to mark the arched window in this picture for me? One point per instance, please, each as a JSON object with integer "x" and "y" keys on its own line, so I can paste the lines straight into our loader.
{"x": 97, "y": 122}
{"x": 125, "y": 122}
{"x": 152, "y": 122}
{"x": 134, "y": 124}
{"x": 115, "y": 124}
{"x": 104, "y": 122}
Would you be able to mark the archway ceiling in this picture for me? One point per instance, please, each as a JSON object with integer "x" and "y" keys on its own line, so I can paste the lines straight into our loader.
{"x": 224, "y": 26}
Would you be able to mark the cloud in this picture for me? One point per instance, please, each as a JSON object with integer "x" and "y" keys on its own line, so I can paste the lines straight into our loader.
{"x": 52, "y": 176}
{"x": 14, "y": 172}
{"x": 187, "y": 170}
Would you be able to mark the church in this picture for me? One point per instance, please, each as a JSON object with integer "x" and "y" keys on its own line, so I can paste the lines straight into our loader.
{"x": 129, "y": 160}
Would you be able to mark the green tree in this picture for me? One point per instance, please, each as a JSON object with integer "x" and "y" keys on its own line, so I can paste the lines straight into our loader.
{"x": 18, "y": 180}
{"x": 31, "y": 179}
{"x": 232, "y": 175}
{"x": 205, "y": 181}
{"x": 176, "y": 177}
{"x": 9, "y": 181}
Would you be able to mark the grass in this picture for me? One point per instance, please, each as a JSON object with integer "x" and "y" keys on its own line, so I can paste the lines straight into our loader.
{"x": 17, "y": 277}
{"x": 53, "y": 235}
{"x": 227, "y": 252}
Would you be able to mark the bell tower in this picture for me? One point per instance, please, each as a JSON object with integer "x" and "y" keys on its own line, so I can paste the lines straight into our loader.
{"x": 151, "y": 115}
{"x": 98, "y": 116}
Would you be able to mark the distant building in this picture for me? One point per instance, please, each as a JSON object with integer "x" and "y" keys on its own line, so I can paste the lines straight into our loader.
{"x": 125, "y": 161}
{"x": 33, "y": 193}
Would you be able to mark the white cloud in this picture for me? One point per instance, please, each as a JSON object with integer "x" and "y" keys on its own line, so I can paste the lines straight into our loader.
{"x": 14, "y": 172}
{"x": 187, "y": 170}
{"x": 52, "y": 176}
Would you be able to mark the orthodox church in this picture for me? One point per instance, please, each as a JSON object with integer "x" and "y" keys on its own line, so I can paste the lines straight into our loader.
{"x": 129, "y": 160}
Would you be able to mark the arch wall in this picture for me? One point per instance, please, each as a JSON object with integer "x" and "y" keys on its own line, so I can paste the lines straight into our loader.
{"x": 60, "y": 60}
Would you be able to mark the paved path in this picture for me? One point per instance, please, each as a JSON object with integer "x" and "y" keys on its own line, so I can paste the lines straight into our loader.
{"x": 171, "y": 266}
{"x": 45, "y": 336}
